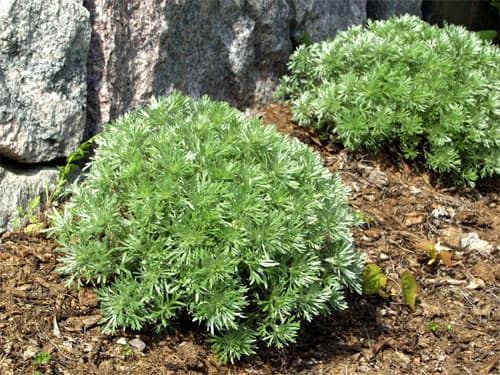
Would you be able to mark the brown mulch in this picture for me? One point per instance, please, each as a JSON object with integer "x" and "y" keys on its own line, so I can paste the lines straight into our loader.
{"x": 454, "y": 329}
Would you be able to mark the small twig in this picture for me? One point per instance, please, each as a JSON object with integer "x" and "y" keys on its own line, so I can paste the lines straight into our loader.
{"x": 468, "y": 372}
{"x": 381, "y": 345}
{"x": 467, "y": 299}
{"x": 55, "y": 345}
{"x": 491, "y": 365}
{"x": 3, "y": 357}
{"x": 396, "y": 243}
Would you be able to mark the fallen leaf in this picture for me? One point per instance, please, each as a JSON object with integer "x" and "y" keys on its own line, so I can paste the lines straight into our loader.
{"x": 406, "y": 168}
{"x": 415, "y": 190}
{"x": 383, "y": 256}
{"x": 379, "y": 346}
{"x": 412, "y": 219}
{"x": 455, "y": 282}
{"x": 42, "y": 282}
{"x": 409, "y": 289}
{"x": 377, "y": 177}
{"x": 426, "y": 178}
{"x": 430, "y": 247}
{"x": 79, "y": 323}
{"x": 316, "y": 140}
{"x": 30, "y": 351}
{"x": 439, "y": 211}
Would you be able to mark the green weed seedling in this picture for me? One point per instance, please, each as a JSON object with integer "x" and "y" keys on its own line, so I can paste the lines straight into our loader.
{"x": 127, "y": 350}
{"x": 71, "y": 163}
{"x": 28, "y": 219}
{"x": 40, "y": 359}
{"x": 433, "y": 327}
{"x": 437, "y": 330}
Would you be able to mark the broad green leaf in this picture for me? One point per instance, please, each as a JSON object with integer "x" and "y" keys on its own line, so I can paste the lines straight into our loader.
{"x": 373, "y": 280}
{"x": 409, "y": 289}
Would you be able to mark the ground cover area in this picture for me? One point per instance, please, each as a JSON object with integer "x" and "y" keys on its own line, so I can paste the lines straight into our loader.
{"x": 48, "y": 329}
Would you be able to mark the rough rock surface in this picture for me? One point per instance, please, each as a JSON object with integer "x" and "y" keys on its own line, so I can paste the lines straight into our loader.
{"x": 43, "y": 50}
{"x": 18, "y": 188}
{"x": 384, "y": 9}
{"x": 322, "y": 19}
{"x": 231, "y": 50}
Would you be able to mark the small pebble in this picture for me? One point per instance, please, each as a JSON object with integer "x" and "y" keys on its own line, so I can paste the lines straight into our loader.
{"x": 138, "y": 344}
{"x": 471, "y": 241}
{"x": 383, "y": 256}
{"x": 476, "y": 283}
{"x": 366, "y": 238}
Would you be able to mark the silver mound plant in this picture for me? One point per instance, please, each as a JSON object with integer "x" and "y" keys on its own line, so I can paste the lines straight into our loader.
{"x": 188, "y": 207}
{"x": 431, "y": 93}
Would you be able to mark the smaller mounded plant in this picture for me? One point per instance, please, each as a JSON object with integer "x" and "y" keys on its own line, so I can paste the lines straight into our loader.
{"x": 404, "y": 84}
{"x": 189, "y": 207}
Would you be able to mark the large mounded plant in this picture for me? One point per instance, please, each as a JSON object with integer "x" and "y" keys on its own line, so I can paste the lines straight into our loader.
{"x": 430, "y": 92}
{"x": 189, "y": 207}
